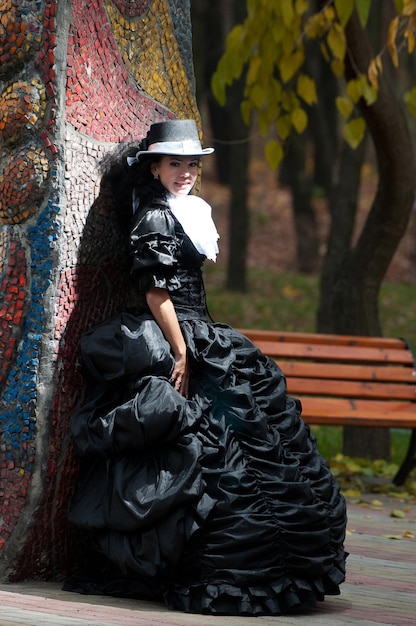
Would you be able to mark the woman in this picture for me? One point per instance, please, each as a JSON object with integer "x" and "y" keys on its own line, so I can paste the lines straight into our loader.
{"x": 201, "y": 483}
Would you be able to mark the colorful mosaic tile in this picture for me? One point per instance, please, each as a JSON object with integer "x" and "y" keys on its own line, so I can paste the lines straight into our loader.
{"x": 22, "y": 109}
{"x": 12, "y": 297}
{"x": 154, "y": 59}
{"x": 20, "y": 33}
{"x": 23, "y": 184}
{"x": 61, "y": 251}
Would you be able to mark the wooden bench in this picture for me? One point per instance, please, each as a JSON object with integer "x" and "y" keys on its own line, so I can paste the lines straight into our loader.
{"x": 348, "y": 380}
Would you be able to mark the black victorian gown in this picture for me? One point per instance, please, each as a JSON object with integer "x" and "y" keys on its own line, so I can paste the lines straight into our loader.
{"x": 216, "y": 503}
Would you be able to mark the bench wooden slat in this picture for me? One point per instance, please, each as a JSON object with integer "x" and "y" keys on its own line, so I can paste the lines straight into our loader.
{"x": 348, "y": 380}
{"x": 358, "y": 413}
{"x": 323, "y": 339}
{"x": 339, "y": 353}
{"x": 325, "y": 371}
{"x": 350, "y": 389}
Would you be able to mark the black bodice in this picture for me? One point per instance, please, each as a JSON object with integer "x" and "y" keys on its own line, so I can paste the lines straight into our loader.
{"x": 164, "y": 256}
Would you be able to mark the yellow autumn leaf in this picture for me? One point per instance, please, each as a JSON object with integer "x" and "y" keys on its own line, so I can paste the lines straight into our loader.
{"x": 257, "y": 95}
{"x": 354, "y": 89}
{"x": 392, "y": 536}
{"x": 300, "y": 120}
{"x": 354, "y": 131}
{"x": 337, "y": 42}
{"x": 409, "y": 35}
{"x": 291, "y": 293}
{"x": 286, "y": 9}
{"x": 352, "y": 493}
{"x": 253, "y": 69}
{"x": 218, "y": 88}
{"x": 306, "y": 89}
{"x": 344, "y": 10}
{"x": 329, "y": 13}
{"x": 315, "y": 26}
{"x": 409, "y": 7}
{"x": 274, "y": 154}
{"x": 373, "y": 73}
{"x": 397, "y": 513}
{"x": 391, "y": 41}
{"x": 246, "y": 108}
{"x": 345, "y": 106}
{"x": 263, "y": 122}
{"x": 283, "y": 126}
{"x": 324, "y": 51}
{"x": 408, "y": 534}
{"x": 369, "y": 93}
{"x": 288, "y": 66}
{"x": 234, "y": 36}
{"x": 276, "y": 89}
{"x": 352, "y": 466}
{"x": 272, "y": 111}
{"x": 376, "y": 502}
{"x": 301, "y": 6}
{"x": 337, "y": 68}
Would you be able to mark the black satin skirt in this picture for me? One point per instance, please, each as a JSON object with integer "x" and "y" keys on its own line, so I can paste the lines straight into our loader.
{"x": 219, "y": 503}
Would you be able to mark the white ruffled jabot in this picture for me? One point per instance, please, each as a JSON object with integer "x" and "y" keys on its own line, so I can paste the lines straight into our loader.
{"x": 194, "y": 214}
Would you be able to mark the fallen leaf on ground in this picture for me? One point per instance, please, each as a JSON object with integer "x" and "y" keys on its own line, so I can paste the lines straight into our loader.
{"x": 408, "y": 534}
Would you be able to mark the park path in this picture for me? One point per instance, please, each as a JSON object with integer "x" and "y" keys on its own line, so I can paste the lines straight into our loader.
{"x": 380, "y": 586}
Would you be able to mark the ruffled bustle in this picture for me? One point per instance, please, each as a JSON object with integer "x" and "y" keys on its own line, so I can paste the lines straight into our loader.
{"x": 222, "y": 501}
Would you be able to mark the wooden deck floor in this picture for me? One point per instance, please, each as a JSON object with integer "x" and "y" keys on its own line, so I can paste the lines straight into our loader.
{"x": 380, "y": 586}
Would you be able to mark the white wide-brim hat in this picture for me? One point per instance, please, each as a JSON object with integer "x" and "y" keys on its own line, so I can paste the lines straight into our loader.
{"x": 175, "y": 138}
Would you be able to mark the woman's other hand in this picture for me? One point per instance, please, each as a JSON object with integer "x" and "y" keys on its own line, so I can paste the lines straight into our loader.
{"x": 180, "y": 375}
{"x": 164, "y": 313}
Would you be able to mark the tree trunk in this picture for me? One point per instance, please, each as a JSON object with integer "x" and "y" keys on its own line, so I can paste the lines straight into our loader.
{"x": 323, "y": 119}
{"x": 211, "y": 25}
{"x": 294, "y": 174}
{"x": 239, "y": 214}
{"x": 343, "y": 202}
{"x": 391, "y": 209}
{"x": 356, "y": 284}
{"x": 230, "y": 134}
{"x": 322, "y": 136}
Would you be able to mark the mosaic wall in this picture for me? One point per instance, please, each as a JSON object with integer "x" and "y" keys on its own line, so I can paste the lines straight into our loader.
{"x": 76, "y": 78}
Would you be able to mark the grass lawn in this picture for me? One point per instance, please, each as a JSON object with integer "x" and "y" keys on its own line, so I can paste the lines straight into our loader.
{"x": 289, "y": 302}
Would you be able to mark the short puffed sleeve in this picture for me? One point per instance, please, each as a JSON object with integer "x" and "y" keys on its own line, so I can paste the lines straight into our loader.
{"x": 154, "y": 248}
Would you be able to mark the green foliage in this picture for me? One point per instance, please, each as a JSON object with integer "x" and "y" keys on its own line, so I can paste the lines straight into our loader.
{"x": 329, "y": 440}
{"x": 270, "y": 47}
{"x": 344, "y": 9}
{"x": 354, "y": 131}
{"x": 363, "y": 10}
{"x": 410, "y": 99}
{"x": 289, "y": 302}
{"x": 274, "y": 153}
{"x": 356, "y": 476}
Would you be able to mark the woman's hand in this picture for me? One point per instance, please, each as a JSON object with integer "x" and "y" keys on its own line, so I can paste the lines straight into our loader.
{"x": 180, "y": 375}
{"x": 163, "y": 311}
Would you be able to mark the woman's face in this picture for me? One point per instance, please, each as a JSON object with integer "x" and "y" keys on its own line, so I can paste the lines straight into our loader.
{"x": 176, "y": 173}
